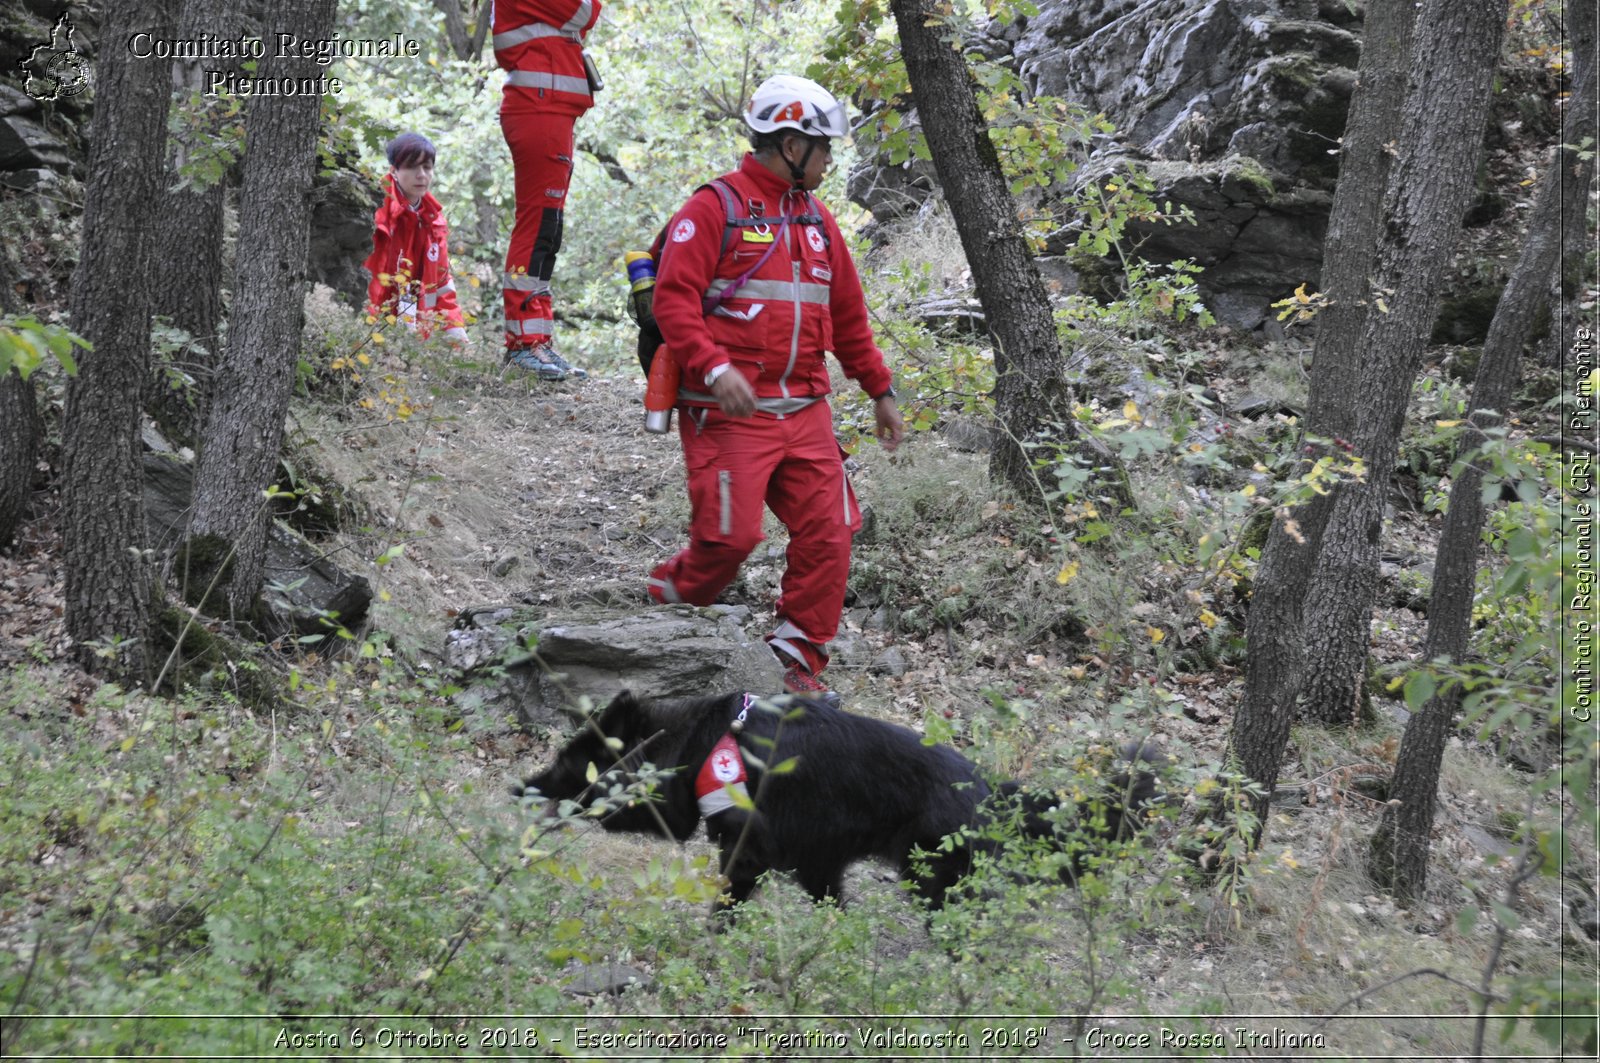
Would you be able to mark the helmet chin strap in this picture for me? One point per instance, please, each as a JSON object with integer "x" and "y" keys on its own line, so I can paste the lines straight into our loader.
{"x": 797, "y": 171}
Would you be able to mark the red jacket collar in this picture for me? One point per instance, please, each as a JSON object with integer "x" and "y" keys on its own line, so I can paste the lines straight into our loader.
{"x": 395, "y": 204}
{"x": 767, "y": 182}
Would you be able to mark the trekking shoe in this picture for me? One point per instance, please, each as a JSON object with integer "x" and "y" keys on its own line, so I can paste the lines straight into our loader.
{"x": 542, "y": 361}
{"x": 797, "y": 680}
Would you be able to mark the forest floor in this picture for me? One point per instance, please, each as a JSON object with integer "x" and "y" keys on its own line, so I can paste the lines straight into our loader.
{"x": 512, "y": 491}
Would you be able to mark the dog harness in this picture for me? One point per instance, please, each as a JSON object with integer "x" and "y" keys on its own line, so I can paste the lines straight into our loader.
{"x": 723, "y": 773}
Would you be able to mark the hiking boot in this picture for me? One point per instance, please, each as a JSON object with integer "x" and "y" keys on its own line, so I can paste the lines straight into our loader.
{"x": 543, "y": 362}
{"x": 797, "y": 679}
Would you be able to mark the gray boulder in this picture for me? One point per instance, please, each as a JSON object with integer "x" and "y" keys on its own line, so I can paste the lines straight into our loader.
{"x": 343, "y": 202}
{"x": 552, "y": 663}
{"x": 304, "y": 588}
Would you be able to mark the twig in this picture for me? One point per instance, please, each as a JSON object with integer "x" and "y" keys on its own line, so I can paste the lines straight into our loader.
{"x": 1568, "y": 441}
{"x": 1529, "y": 861}
{"x": 1420, "y": 972}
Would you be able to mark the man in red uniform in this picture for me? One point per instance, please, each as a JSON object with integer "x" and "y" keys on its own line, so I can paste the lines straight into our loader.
{"x": 748, "y": 312}
{"x": 539, "y": 43}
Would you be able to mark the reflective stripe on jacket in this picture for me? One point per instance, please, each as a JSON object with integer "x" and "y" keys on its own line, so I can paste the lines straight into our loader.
{"x": 411, "y": 258}
{"x": 539, "y": 43}
{"x": 804, "y": 300}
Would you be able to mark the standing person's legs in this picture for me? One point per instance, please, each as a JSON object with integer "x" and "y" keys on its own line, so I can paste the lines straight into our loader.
{"x": 811, "y": 494}
{"x": 728, "y": 462}
{"x": 541, "y": 151}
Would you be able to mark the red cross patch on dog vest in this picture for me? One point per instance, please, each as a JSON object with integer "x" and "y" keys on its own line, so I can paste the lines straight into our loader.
{"x": 723, "y": 771}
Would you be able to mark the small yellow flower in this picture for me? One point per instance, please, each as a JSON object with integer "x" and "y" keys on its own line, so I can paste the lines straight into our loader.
{"x": 1156, "y": 634}
{"x": 1069, "y": 571}
{"x": 377, "y": 337}
{"x": 1208, "y": 619}
{"x": 364, "y": 358}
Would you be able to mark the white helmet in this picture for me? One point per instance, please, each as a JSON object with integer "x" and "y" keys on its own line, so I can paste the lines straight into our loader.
{"x": 789, "y": 102}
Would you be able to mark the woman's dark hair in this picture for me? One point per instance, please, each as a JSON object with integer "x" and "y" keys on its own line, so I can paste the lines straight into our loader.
{"x": 409, "y": 149}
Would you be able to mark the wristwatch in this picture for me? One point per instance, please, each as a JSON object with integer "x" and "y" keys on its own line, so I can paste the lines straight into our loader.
{"x": 889, "y": 393}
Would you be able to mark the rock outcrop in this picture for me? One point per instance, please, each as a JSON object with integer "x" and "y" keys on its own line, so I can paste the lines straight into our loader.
{"x": 529, "y": 665}
{"x": 1235, "y": 108}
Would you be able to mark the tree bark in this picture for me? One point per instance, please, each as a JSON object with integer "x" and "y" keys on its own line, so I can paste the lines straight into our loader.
{"x": 465, "y": 44}
{"x": 1455, "y": 45}
{"x": 19, "y": 428}
{"x": 250, "y": 395}
{"x": 108, "y": 579}
{"x": 189, "y": 260}
{"x": 1576, "y": 124}
{"x": 1341, "y": 588}
{"x": 19, "y": 446}
{"x": 1032, "y": 398}
{"x": 1398, "y": 857}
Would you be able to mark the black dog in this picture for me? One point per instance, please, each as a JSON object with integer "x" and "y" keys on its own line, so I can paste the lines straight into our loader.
{"x": 818, "y": 789}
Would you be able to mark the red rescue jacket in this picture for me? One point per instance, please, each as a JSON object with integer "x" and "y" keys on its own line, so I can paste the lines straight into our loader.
{"x": 804, "y": 300}
{"x": 410, "y": 262}
{"x": 539, "y": 43}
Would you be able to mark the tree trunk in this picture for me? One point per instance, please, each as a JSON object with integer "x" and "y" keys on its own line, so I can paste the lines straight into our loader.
{"x": 108, "y": 579}
{"x": 250, "y": 393}
{"x": 1032, "y": 399}
{"x": 19, "y": 428}
{"x": 1455, "y": 45}
{"x": 466, "y": 45}
{"x": 1576, "y": 124}
{"x": 1275, "y": 628}
{"x": 189, "y": 261}
{"x": 1336, "y": 625}
{"x": 1398, "y": 858}
{"x": 19, "y": 446}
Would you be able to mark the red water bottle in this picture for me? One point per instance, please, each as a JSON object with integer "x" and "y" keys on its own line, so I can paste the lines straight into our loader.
{"x": 661, "y": 394}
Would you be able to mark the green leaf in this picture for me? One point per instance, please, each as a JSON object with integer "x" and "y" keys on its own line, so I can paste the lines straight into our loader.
{"x": 1419, "y": 688}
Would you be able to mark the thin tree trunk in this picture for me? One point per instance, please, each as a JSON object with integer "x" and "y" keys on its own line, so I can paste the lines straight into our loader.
{"x": 250, "y": 396}
{"x": 1275, "y": 627}
{"x": 189, "y": 261}
{"x": 1032, "y": 398}
{"x": 108, "y": 579}
{"x": 1455, "y": 45}
{"x": 1576, "y": 124}
{"x": 19, "y": 428}
{"x": 1398, "y": 857}
{"x": 1337, "y": 622}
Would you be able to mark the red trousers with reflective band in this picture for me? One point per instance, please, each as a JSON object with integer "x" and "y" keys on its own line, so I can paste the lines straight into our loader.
{"x": 541, "y": 146}
{"x": 793, "y": 466}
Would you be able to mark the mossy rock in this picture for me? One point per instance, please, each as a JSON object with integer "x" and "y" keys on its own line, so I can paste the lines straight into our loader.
{"x": 1465, "y": 318}
{"x": 203, "y": 565}
{"x": 1253, "y": 536}
{"x": 205, "y": 658}
{"x": 314, "y": 503}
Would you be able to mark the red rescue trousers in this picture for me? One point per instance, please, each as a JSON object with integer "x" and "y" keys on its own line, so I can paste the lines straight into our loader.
{"x": 541, "y": 146}
{"x": 794, "y": 466}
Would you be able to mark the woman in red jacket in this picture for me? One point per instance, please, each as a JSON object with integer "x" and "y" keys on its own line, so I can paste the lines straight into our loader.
{"x": 749, "y": 318}
{"x": 410, "y": 260}
{"x": 539, "y": 44}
